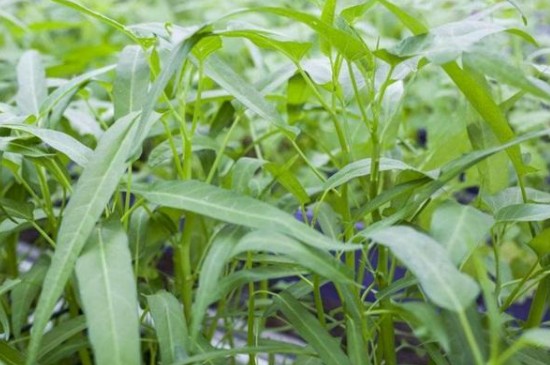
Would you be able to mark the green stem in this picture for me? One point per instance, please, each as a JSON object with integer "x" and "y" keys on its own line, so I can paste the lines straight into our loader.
{"x": 251, "y": 311}
{"x": 539, "y": 304}
{"x": 470, "y": 338}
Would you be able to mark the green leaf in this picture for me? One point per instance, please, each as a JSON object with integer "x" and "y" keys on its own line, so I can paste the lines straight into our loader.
{"x": 31, "y": 81}
{"x": 231, "y": 207}
{"x": 523, "y": 213}
{"x": 25, "y": 293}
{"x": 58, "y": 99}
{"x": 319, "y": 262}
{"x": 541, "y": 244}
{"x": 59, "y": 96}
{"x": 496, "y": 67}
{"x": 9, "y": 355}
{"x": 131, "y": 82}
{"x": 59, "y": 141}
{"x": 460, "y": 228}
{"x": 475, "y": 93}
{"x": 430, "y": 263}
{"x": 219, "y": 253}
{"x": 247, "y": 94}
{"x": 363, "y": 168}
{"x": 539, "y": 337}
{"x": 179, "y": 53}
{"x": 61, "y": 333}
{"x": 349, "y": 45}
{"x": 92, "y": 193}
{"x": 311, "y": 330}
{"x": 170, "y": 326}
{"x": 109, "y": 297}
{"x": 295, "y": 51}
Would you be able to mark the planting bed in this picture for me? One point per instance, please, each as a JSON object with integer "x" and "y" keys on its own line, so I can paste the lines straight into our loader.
{"x": 300, "y": 182}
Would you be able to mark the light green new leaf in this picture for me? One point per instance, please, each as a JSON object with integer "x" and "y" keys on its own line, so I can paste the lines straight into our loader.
{"x": 59, "y": 141}
{"x": 232, "y": 207}
{"x": 430, "y": 263}
{"x": 31, "y": 82}
{"x": 170, "y": 326}
{"x": 539, "y": 337}
{"x": 311, "y": 330}
{"x": 109, "y": 297}
{"x": 350, "y": 46}
{"x": 460, "y": 228}
{"x": 523, "y": 213}
{"x": 92, "y": 193}
{"x": 295, "y": 51}
{"x": 179, "y": 53}
{"x": 131, "y": 82}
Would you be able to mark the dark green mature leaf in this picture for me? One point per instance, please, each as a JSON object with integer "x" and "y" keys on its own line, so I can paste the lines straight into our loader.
{"x": 430, "y": 263}
{"x": 460, "y": 228}
{"x": 92, "y": 193}
{"x": 231, "y": 207}
{"x": 523, "y": 213}
{"x": 9, "y": 355}
{"x": 311, "y": 330}
{"x": 170, "y": 326}
{"x": 109, "y": 298}
{"x": 131, "y": 82}
{"x": 31, "y": 80}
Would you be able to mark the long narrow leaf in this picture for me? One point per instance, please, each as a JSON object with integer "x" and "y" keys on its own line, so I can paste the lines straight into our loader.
{"x": 109, "y": 297}
{"x": 231, "y": 207}
{"x": 92, "y": 193}
{"x": 170, "y": 326}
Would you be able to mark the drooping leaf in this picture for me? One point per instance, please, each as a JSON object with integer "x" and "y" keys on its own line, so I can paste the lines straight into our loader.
{"x": 231, "y": 207}
{"x": 430, "y": 263}
{"x": 109, "y": 297}
{"x": 317, "y": 261}
{"x": 363, "y": 168}
{"x": 170, "y": 326}
{"x": 62, "y": 142}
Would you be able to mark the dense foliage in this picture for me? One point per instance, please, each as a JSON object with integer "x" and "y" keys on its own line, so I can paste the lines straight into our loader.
{"x": 307, "y": 182}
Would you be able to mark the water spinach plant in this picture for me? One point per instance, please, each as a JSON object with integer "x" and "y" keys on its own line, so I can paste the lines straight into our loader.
{"x": 317, "y": 182}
